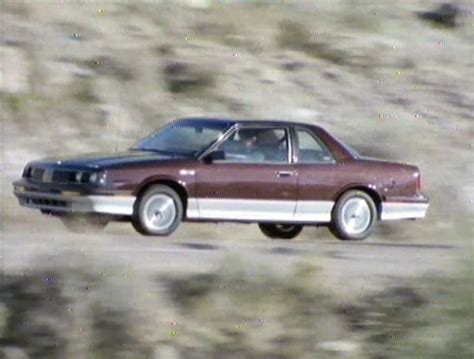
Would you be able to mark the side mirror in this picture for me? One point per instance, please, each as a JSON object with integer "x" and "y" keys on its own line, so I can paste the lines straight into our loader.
{"x": 214, "y": 156}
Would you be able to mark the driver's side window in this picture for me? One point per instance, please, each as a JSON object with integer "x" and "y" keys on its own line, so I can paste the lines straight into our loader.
{"x": 256, "y": 145}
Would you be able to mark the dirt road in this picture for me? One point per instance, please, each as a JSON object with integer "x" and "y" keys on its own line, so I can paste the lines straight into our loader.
{"x": 352, "y": 268}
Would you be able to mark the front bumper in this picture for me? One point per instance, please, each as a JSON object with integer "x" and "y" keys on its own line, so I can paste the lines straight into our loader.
{"x": 75, "y": 202}
{"x": 408, "y": 208}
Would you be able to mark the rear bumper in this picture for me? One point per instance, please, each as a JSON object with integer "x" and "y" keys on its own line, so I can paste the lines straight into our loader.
{"x": 410, "y": 208}
{"x": 115, "y": 205}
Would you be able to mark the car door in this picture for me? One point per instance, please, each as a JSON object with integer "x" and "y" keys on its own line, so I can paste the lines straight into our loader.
{"x": 316, "y": 169}
{"x": 252, "y": 181}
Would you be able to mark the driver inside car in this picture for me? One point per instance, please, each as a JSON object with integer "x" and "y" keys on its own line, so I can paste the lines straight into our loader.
{"x": 248, "y": 139}
{"x": 271, "y": 146}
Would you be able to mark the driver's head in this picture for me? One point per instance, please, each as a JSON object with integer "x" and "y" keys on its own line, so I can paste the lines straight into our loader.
{"x": 248, "y": 137}
{"x": 267, "y": 137}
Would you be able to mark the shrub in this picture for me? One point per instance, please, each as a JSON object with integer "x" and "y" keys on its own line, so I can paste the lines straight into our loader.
{"x": 321, "y": 46}
{"x": 182, "y": 77}
{"x": 427, "y": 318}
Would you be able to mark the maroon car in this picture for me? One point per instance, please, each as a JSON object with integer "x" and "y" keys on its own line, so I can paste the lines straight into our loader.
{"x": 281, "y": 175}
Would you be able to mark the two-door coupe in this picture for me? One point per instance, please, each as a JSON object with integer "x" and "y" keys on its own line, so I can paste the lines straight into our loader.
{"x": 281, "y": 175}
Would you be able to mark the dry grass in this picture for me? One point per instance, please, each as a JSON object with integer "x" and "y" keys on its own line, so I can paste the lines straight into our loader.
{"x": 76, "y": 308}
{"x": 427, "y": 318}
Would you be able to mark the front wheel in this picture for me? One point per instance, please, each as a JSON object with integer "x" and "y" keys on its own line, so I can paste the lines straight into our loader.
{"x": 158, "y": 211}
{"x": 280, "y": 231}
{"x": 353, "y": 216}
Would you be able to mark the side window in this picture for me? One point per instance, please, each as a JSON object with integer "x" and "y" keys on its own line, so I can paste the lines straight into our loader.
{"x": 311, "y": 150}
{"x": 256, "y": 145}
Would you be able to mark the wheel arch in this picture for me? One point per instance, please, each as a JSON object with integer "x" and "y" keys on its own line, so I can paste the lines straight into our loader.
{"x": 178, "y": 186}
{"x": 376, "y": 197}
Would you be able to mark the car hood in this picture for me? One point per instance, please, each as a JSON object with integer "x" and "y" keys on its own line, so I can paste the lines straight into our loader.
{"x": 104, "y": 160}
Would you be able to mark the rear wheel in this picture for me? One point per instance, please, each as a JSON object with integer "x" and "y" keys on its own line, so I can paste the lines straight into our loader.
{"x": 158, "y": 211}
{"x": 84, "y": 223}
{"x": 280, "y": 231}
{"x": 353, "y": 216}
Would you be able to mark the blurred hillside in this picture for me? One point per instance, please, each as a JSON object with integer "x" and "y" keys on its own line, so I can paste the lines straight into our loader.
{"x": 87, "y": 76}
{"x": 387, "y": 77}
{"x": 79, "y": 307}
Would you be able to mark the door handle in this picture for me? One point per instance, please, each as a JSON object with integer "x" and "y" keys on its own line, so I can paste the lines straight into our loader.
{"x": 284, "y": 173}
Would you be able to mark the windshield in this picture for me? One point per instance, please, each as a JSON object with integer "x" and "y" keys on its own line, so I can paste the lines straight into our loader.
{"x": 183, "y": 138}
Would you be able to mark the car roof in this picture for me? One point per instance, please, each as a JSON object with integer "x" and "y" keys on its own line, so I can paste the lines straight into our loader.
{"x": 264, "y": 122}
{"x": 335, "y": 144}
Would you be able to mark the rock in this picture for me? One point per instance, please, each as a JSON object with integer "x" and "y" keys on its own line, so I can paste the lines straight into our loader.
{"x": 293, "y": 66}
{"x": 445, "y": 15}
{"x": 14, "y": 71}
{"x": 340, "y": 346}
{"x": 166, "y": 352}
{"x": 199, "y": 4}
{"x": 61, "y": 74}
{"x": 110, "y": 66}
{"x": 305, "y": 114}
{"x": 116, "y": 118}
{"x": 270, "y": 76}
{"x": 13, "y": 353}
{"x": 469, "y": 197}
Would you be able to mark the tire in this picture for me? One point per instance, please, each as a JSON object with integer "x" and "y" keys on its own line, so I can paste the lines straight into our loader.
{"x": 158, "y": 211}
{"x": 84, "y": 223}
{"x": 280, "y": 231}
{"x": 354, "y": 216}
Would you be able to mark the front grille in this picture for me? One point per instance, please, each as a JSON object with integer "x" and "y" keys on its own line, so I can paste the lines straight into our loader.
{"x": 85, "y": 178}
{"x": 61, "y": 176}
{"x": 42, "y": 190}
{"x": 56, "y": 176}
{"x": 45, "y": 202}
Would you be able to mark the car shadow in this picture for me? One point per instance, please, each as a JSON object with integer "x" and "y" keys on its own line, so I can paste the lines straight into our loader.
{"x": 285, "y": 250}
{"x": 198, "y": 246}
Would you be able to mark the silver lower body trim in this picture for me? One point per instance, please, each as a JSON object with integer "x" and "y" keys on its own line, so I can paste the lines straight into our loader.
{"x": 403, "y": 210}
{"x": 192, "y": 210}
{"x": 314, "y": 211}
{"x": 259, "y": 210}
{"x": 288, "y": 211}
{"x": 116, "y": 205}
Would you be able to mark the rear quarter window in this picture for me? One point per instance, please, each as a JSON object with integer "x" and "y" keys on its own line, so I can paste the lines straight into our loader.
{"x": 311, "y": 149}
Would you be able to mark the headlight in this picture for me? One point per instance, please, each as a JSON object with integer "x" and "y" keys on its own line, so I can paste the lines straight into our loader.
{"x": 93, "y": 177}
{"x": 102, "y": 178}
{"x": 99, "y": 178}
{"x": 78, "y": 177}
